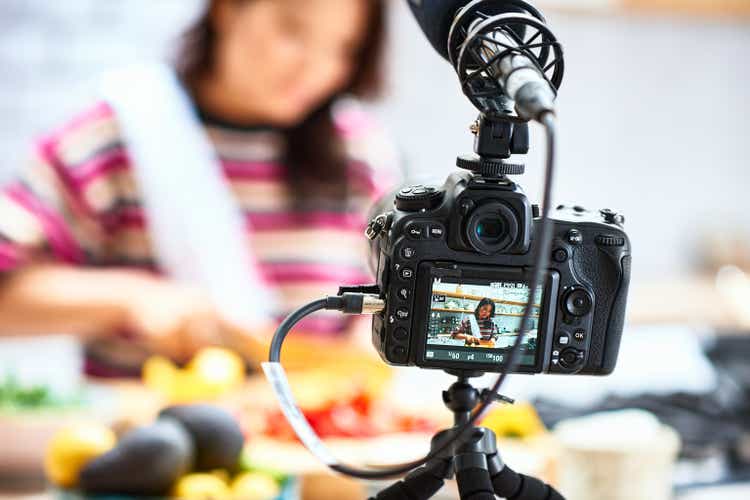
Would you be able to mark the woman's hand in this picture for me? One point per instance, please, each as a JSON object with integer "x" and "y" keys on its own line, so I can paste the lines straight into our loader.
{"x": 167, "y": 318}
{"x": 170, "y": 318}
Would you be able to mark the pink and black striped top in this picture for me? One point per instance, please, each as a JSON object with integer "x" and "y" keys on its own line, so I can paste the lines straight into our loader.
{"x": 78, "y": 203}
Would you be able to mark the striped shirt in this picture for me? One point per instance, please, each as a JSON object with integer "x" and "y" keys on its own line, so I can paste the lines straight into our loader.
{"x": 487, "y": 329}
{"x": 78, "y": 203}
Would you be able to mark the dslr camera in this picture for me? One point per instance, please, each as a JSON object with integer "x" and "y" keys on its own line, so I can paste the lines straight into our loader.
{"x": 453, "y": 263}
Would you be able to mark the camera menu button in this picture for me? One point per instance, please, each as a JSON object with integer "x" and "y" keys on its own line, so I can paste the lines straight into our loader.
{"x": 563, "y": 339}
{"x": 436, "y": 231}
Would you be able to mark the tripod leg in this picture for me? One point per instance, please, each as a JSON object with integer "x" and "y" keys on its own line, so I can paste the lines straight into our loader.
{"x": 514, "y": 486}
{"x": 473, "y": 480}
{"x": 420, "y": 484}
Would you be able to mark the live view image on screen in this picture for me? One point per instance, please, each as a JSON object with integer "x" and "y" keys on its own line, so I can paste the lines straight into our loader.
{"x": 480, "y": 322}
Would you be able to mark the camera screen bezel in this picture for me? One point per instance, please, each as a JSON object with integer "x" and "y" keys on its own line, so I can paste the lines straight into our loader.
{"x": 426, "y": 274}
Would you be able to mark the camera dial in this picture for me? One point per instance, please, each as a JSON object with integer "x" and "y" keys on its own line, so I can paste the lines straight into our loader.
{"x": 418, "y": 197}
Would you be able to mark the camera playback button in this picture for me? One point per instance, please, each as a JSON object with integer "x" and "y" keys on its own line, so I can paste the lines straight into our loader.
{"x": 406, "y": 273}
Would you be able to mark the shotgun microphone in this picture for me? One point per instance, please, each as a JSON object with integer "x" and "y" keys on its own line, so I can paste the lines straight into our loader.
{"x": 502, "y": 50}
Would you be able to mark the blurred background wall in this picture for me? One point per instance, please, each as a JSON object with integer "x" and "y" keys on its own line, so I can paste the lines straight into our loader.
{"x": 654, "y": 112}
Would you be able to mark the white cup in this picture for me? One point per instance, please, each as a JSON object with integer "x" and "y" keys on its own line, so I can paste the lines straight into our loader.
{"x": 619, "y": 455}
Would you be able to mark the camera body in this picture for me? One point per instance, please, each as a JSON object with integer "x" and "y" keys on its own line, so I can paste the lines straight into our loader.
{"x": 453, "y": 264}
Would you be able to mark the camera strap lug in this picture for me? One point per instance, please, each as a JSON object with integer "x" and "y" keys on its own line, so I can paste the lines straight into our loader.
{"x": 377, "y": 225}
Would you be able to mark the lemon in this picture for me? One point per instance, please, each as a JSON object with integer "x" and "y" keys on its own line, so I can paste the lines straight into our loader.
{"x": 201, "y": 486}
{"x": 255, "y": 486}
{"x": 72, "y": 448}
{"x": 519, "y": 420}
{"x": 159, "y": 374}
{"x": 217, "y": 370}
{"x": 211, "y": 373}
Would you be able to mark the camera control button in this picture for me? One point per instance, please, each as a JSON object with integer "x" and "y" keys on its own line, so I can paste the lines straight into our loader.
{"x": 466, "y": 206}
{"x": 579, "y": 209}
{"x": 406, "y": 273}
{"x": 436, "y": 231}
{"x": 415, "y": 232}
{"x": 574, "y": 237}
{"x": 408, "y": 252}
{"x": 560, "y": 255}
{"x": 612, "y": 217}
{"x": 402, "y": 313}
{"x": 400, "y": 334}
{"x": 563, "y": 339}
{"x": 399, "y": 353}
{"x": 577, "y": 302}
{"x": 579, "y": 335}
{"x": 419, "y": 197}
{"x": 404, "y": 293}
{"x": 571, "y": 358}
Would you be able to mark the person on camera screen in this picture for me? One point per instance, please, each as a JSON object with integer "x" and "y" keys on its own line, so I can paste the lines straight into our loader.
{"x": 479, "y": 327}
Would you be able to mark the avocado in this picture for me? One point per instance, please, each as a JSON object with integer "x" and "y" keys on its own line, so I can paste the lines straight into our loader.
{"x": 216, "y": 434}
{"x": 146, "y": 461}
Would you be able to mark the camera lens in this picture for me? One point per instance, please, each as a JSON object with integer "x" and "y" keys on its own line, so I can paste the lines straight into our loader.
{"x": 492, "y": 228}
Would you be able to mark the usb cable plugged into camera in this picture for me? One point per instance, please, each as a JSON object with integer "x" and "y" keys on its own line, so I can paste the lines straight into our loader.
{"x": 477, "y": 240}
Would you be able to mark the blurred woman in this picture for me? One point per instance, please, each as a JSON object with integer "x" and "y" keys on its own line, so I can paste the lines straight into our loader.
{"x": 480, "y": 326}
{"x": 267, "y": 83}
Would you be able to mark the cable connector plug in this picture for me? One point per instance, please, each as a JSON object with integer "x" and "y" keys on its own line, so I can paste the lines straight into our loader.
{"x": 355, "y": 303}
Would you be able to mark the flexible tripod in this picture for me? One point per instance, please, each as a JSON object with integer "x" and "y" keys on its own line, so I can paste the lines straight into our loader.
{"x": 475, "y": 461}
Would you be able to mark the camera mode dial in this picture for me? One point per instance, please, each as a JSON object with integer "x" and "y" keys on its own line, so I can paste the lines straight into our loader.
{"x": 418, "y": 197}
